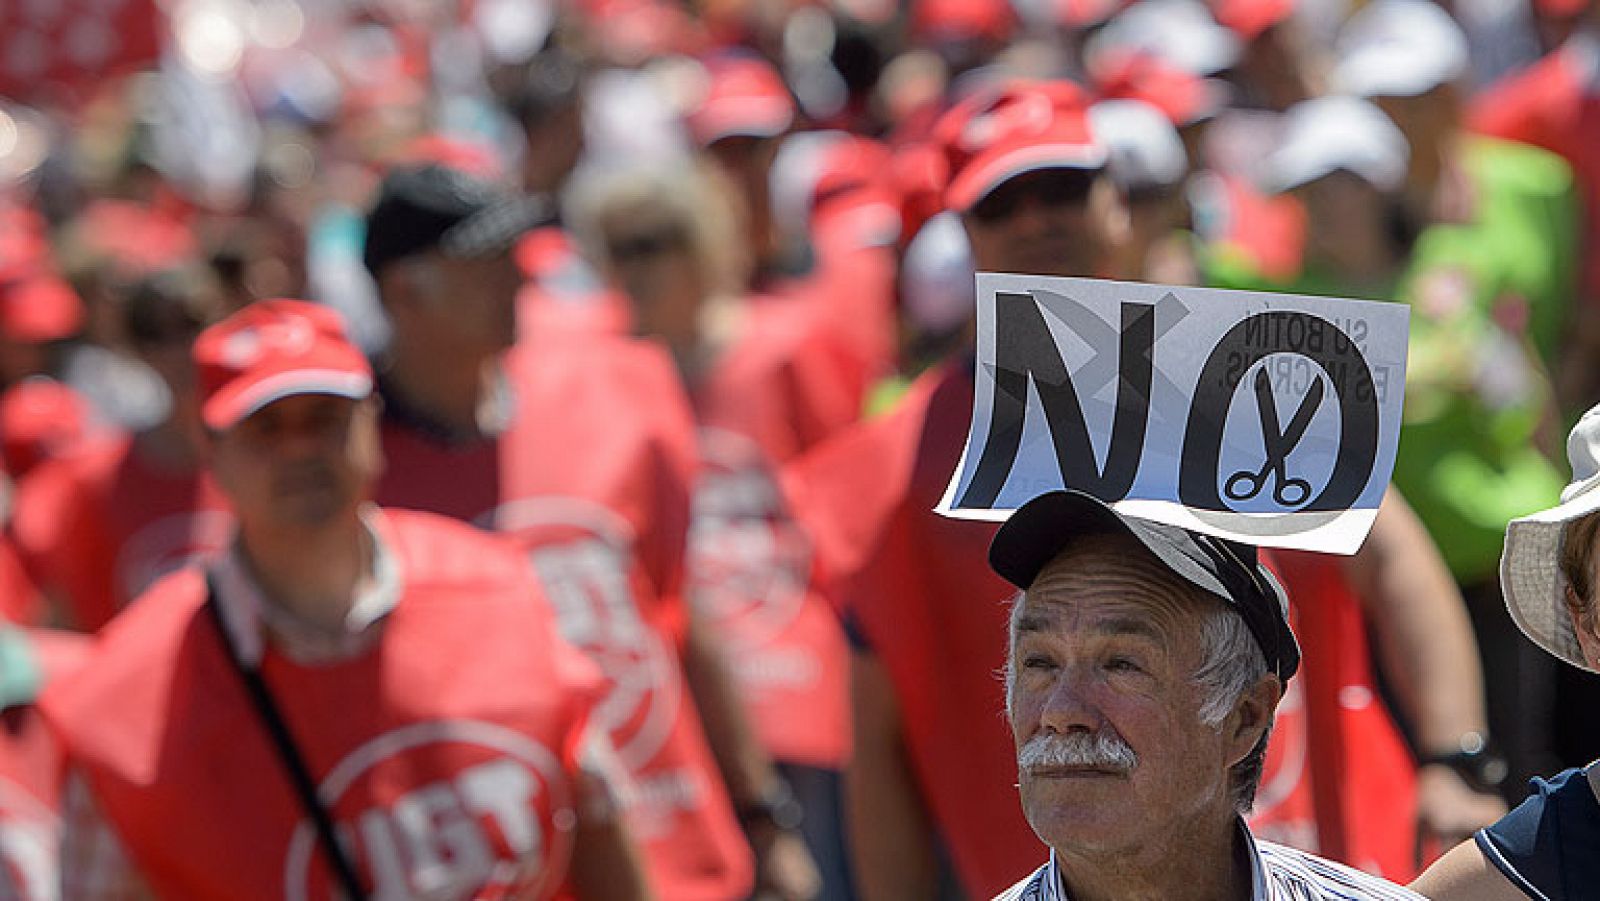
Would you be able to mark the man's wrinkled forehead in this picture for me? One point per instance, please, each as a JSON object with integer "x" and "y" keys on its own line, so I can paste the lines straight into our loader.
{"x": 1117, "y": 571}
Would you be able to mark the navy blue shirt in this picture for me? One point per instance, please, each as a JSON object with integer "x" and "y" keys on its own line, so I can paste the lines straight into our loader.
{"x": 1549, "y": 847}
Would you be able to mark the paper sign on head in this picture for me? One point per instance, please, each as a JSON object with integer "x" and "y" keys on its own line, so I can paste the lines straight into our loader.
{"x": 1271, "y": 419}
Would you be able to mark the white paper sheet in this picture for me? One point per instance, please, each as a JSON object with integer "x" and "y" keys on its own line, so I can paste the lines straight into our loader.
{"x": 1151, "y": 397}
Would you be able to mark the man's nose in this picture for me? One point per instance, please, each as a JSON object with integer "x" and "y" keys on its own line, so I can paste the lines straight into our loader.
{"x": 298, "y": 440}
{"x": 1069, "y": 705}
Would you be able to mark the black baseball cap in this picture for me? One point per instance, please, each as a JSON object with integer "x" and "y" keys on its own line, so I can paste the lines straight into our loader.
{"x": 1050, "y": 523}
{"x": 420, "y": 208}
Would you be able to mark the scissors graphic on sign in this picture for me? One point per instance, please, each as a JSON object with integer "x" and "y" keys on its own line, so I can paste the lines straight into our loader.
{"x": 1244, "y": 485}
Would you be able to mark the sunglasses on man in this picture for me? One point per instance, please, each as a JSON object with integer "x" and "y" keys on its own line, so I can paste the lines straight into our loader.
{"x": 1053, "y": 188}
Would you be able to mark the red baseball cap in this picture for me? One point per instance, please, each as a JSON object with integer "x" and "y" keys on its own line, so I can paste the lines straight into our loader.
{"x": 274, "y": 349}
{"x": 1561, "y": 9}
{"x": 1250, "y": 18}
{"x": 38, "y": 308}
{"x": 853, "y": 193}
{"x": 933, "y": 21}
{"x": 1186, "y": 98}
{"x": 1018, "y": 128}
{"x": 40, "y": 418}
{"x": 744, "y": 97}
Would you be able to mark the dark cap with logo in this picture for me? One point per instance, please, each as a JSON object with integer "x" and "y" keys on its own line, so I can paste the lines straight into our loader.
{"x": 420, "y": 208}
{"x": 1050, "y": 523}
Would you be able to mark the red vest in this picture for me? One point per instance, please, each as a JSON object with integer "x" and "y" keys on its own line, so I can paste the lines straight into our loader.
{"x": 592, "y": 480}
{"x": 445, "y": 754}
{"x": 30, "y": 778}
{"x": 1285, "y": 806}
{"x": 20, "y": 601}
{"x": 918, "y": 588}
{"x": 1363, "y": 778}
{"x": 97, "y": 528}
{"x": 773, "y": 394}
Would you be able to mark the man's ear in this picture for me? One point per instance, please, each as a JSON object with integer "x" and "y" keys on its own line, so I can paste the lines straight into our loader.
{"x": 1251, "y": 717}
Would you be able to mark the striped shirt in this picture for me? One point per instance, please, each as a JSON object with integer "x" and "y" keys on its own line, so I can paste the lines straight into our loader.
{"x": 1277, "y": 873}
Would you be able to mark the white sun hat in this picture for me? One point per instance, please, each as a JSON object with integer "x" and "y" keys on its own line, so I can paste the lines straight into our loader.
{"x": 1530, "y": 576}
{"x": 1399, "y": 48}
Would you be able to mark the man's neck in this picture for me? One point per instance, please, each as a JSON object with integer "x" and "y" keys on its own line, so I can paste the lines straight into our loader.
{"x": 448, "y": 390}
{"x": 1208, "y": 864}
{"x": 313, "y": 573}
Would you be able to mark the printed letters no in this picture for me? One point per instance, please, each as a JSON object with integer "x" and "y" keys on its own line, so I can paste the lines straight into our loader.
{"x": 1026, "y": 352}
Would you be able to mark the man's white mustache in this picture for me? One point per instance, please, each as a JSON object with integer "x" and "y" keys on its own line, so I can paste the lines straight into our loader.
{"x": 1098, "y": 750}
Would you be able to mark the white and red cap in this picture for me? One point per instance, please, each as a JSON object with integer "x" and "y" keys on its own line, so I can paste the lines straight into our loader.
{"x": 1184, "y": 97}
{"x": 1399, "y": 48}
{"x": 1015, "y": 129}
{"x": 274, "y": 349}
{"x": 1183, "y": 33}
{"x": 744, "y": 97}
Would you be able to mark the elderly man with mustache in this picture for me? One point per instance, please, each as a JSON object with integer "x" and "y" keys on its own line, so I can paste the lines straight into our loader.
{"x": 1145, "y": 664}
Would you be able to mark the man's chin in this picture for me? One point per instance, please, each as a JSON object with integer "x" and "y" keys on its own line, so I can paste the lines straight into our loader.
{"x": 1084, "y": 824}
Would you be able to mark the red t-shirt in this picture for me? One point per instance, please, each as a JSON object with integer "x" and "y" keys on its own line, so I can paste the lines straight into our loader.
{"x": 918, "y": 590}
{"x": 1362, "y": 776}
{"x": 31, "y": 775}
{"x": 774, "y": 393}
{"x": 95, "y": 529}
{"x": 1554, "y": 104}
{"x": 20, "y": 601}
{"x": 592, "y": 479}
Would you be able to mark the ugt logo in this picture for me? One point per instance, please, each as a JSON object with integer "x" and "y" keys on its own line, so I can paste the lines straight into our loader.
{"x": 1329, "y": 357}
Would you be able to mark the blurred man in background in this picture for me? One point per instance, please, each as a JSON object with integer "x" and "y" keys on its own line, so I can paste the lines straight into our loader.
{"x": 580, "y": 450}
{"x": 385, "y": 656}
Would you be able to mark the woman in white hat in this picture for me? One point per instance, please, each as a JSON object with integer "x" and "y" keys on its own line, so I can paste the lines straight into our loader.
{"x": 1549, "y": 847}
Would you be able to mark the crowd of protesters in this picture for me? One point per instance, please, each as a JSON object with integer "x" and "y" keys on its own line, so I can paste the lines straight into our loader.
{"x": 489, "y": 448}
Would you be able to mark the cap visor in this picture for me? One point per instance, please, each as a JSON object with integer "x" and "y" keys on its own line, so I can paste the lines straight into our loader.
{"x": 985, "y": 174}
{"x": 228, "y": 408}
{"x": 495, "y": 228}
{"x": 748, "y": 117}
{"x": 1050, "y": 523}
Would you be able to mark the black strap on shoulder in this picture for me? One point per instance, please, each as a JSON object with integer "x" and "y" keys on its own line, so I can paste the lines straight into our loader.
{"x": 289, "y": 754}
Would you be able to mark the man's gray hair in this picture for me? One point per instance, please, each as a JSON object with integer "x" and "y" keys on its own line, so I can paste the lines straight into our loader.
{"x": 1231, "y": 662}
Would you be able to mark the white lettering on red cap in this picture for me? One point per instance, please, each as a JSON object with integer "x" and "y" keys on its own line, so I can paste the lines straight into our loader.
{"x": 290, "y": 334}
{"x": 1028, "y": 113}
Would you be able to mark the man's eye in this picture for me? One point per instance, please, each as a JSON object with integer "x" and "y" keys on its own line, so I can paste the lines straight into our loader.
{"x": 1035, "y": 661}
{"x": 1124, "y": 664}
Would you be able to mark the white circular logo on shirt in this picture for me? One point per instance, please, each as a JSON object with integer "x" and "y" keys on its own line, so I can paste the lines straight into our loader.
{"x": 749, "y": 562}
{"x": 584, "y": 555}
{"x": 477, "y": 824}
